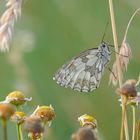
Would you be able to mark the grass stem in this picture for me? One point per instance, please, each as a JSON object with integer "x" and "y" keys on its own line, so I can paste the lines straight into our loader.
{"x": 134, "y": 121}
{"x": 123, "y": 120}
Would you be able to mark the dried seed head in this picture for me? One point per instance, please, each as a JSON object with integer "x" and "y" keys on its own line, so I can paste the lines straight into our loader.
{"x": 132, "y": 82}
{"x": 127, "y": 90}
{"x": 6, "y": 111}
{"x": 18, "y": 117}
{"x": 45, "y": 113}
{"x": 86, "y": 120}
{"x": 125, "y": 54}
{"x": 33, "y": 126}
{"x": 85, "y": 133}
{"x": 16, "y": 98}
{"x": 7, "y": 22}
{"x": 124, "y": 58}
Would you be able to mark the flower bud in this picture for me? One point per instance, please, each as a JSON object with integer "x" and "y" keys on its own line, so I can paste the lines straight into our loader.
{"x": 45, "y": 113}
{"x": 16, "y": 98}
{"x": 6, "y": 111}
{"x": 18, "y": 117}
{"x": 87, "y": 120}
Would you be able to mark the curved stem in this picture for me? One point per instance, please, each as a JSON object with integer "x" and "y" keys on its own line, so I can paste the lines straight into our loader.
{"x": 134, "y": 121}
{"x": 128, "y": 25}
{"x": 4, "y": 125}
{"x": 123, "y": 120}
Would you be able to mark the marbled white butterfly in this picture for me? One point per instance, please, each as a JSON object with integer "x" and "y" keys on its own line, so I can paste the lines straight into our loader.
{"x": 83, "y": 73}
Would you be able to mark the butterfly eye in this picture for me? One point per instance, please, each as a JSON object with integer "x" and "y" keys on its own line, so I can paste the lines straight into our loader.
{"x": 103, "y": 45}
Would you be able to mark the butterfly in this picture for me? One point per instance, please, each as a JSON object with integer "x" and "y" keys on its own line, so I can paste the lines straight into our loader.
{"x": 84, "y": 72}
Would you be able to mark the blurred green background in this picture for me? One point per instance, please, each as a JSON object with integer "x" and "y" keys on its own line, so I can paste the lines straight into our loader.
{"x": 48, "y": 34}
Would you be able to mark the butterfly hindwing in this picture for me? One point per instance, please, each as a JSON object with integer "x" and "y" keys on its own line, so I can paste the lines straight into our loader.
{"x": 83, "y": 73}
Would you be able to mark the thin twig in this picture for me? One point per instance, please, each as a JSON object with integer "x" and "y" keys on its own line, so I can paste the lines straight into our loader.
{"x": 118, "y": 69}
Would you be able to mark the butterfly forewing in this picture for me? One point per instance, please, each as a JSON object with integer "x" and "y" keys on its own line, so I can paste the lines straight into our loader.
{"x": 83, "y": 73}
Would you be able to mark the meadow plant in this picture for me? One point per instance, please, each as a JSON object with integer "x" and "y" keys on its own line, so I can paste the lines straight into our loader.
{"x": 35, "y": 124}
{"x": 88, "y": 129}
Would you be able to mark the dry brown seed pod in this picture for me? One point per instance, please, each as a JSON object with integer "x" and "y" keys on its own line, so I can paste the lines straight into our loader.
{"x": 84, "y": 133}
{"x": 127, "y": 90}
{"x": 33, "y": 125}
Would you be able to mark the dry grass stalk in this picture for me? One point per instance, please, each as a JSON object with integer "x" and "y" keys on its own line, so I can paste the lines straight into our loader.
{"x": 119, "y": 73}
{"x": 125, "y": 53}
{"x": 7, "y": 22}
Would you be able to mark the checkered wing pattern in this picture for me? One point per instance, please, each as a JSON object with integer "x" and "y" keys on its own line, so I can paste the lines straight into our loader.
{"x": 83, "y": 73}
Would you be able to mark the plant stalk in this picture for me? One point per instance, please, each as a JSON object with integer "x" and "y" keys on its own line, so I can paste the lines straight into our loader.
{"x": 137, "y": 135}
{"x": 134, "y": 121}
{"x": 19, "y": 132}
{"x": 124, "y": 119}
{"x": 4, "y": 125}
{"x": 124, "y": 116}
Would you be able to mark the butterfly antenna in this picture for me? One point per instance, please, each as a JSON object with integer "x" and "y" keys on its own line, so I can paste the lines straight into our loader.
{"x": 105, "y": 31}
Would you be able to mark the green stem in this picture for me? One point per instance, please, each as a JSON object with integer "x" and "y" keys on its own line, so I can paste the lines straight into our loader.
{"x": 19, "y": 132}
{"x": 4, "y": 125}
{"x": 134, "y": 121}
{"x": 17, "y": 108}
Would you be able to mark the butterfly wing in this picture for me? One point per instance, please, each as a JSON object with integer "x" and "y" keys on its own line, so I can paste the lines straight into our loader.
{"x": 83, "y": 73}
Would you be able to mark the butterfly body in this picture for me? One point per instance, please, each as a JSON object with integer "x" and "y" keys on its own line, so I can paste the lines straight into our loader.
{"x": 83, "y": 73}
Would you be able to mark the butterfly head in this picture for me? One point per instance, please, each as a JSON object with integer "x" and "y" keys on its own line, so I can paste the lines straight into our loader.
{"x": 104, "y": 47}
